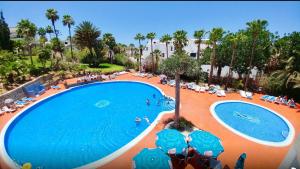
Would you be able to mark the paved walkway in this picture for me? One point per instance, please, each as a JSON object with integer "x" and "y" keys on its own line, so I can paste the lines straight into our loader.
{"x": 195, "y": 107}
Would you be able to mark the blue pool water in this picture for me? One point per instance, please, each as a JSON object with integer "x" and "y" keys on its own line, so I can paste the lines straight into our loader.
{"x": 254, "y": 121}
{"x": 82, "y": 125}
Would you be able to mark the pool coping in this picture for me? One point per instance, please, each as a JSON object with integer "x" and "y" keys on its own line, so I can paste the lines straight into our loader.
{"x": 102, "y": 161}
{"x": 284, "y": 143}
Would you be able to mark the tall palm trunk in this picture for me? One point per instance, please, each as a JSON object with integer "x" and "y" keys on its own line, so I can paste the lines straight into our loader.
{"x": 230, "y": 67}
{"x": 71, "y": 43}
{"x": 198, "y": 50}
{"x": 140, "y": 67}
{"x": 167, "y": 51}
{"x": 212, "y": 62}
{"x": 110, "y": 56}
{"x": 30, "y": 54}
{"x": 153, "y": 64}
{"x": 177, "y": 99}
{"x": 250, "y": 64}
{"x": 55, "y": 32}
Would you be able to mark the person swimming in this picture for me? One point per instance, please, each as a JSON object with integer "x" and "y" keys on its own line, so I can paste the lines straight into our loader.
{"x": 147, "y": 120}
{"x": 154, "y": 96}
{"x": 148, "y": 102}
{"x": 138, "y": 120}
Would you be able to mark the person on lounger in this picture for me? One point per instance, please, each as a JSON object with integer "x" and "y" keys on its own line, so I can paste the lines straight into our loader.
{"x": 278, "y": 100}
{"x": 291, "y": 103}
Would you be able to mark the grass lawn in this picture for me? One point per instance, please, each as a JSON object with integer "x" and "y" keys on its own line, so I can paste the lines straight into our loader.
{"x": 106, "y": 68}
{"x": 36, "y": 61}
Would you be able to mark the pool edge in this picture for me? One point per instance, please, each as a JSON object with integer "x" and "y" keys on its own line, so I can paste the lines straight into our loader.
{"x": 289, "y": 139}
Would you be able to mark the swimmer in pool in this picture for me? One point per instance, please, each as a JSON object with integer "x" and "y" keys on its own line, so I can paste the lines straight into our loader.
{"x": 148, "y": 102}
{"x": 154, "y": 96}
{"x": 147, "y": 120}
{"x": 138, "y": 120}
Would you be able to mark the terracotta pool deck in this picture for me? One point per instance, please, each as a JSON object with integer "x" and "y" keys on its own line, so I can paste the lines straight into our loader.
{"x": 195, "y": 107}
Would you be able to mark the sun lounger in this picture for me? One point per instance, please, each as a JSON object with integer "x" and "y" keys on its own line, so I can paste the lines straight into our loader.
{"x": 202, "y": 89}
{"x": 191, "y": 86}
{"x": 149, "y": 76}
{"x": 243, "y": 93}
{"x": 292, "y": 105}
{"x": 104, "y": 77}
{"x": 55, "y": 87}
{"x": 220, "y": 93}
{"x": 172, "y": 83}
{"x": 197, "y": 88}
{"x": 7, "y": 109}
{"x": 248, "y": 95}
{"x": 212, "y": 91}
{"x": 28, "y": 99}
{"x": 271, "y": 98}
{"x": 264, "y": 97}
{"x": 112, "y": 76}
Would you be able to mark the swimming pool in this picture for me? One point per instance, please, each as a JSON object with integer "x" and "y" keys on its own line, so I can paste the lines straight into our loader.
{"x": 254, "y": 122}
{"x": 85, "y": 126}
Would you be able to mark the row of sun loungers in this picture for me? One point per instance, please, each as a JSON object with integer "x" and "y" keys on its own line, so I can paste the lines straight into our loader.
{"x": 201, "y": 89}
{"x": 148, "y": 75}
{"x": 278, "y": 100}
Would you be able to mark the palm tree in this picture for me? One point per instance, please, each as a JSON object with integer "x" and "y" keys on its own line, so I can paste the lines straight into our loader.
{"x": 176, "y": 65}
{"x": 86, "y": 35}
{"x": 166, "y": 39}
{"x": 151, "y": 36}
{"x": 215, "y": 35}
{"x": 179, "y": 63}
{"x": 157, "y": 55}
{"x": 27, "y": 29}
{"x": 51, "y": 14}
{"x": 255, "y": 28}
{"x": 234, "y": 39}
{"x": 110, "y": 42}
{"x": 199, "y": 35}
{"x": 42, "y": 33}
{"x": 180, "y": 40}
{"x": 68, "y": 21}
{"x": 49, "y": 30}
{"x": 140, "y": 38}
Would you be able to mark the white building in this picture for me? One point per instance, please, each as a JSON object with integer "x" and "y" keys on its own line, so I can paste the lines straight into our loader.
{"x": 191, "y": 48}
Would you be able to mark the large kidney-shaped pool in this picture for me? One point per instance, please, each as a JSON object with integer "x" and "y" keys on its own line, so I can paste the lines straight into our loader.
{"x": 254, "y": 122}
{"x": 85, "y": 126}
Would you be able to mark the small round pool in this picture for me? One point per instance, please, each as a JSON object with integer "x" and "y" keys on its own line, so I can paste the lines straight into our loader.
{"x": 254, "y": 122}
{"x": 85, "y": 126}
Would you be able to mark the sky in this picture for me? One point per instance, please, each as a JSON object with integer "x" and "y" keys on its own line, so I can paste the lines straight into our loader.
{"x": 125, "y": 19}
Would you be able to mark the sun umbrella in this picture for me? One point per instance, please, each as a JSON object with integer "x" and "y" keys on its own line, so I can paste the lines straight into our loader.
{"x": 204, "y": 143}
{"x": 152, "y": 159}
{"x": 240, "y": 162}
{"x": 171, "y": 141}
{"x": 8, "y": 101}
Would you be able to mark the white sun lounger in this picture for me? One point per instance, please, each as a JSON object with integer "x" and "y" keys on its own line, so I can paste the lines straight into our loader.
{"x": 243, "y": 93}
{"x": 104, "y": 77}
{"x": 197, "y": 88}
{"x": 172, "y": 83}
{"x": 202, "y": 89}
{"x": 248, "y": 95}
{"x": 6, "y": 109}
{"x": 221, "y": 93}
